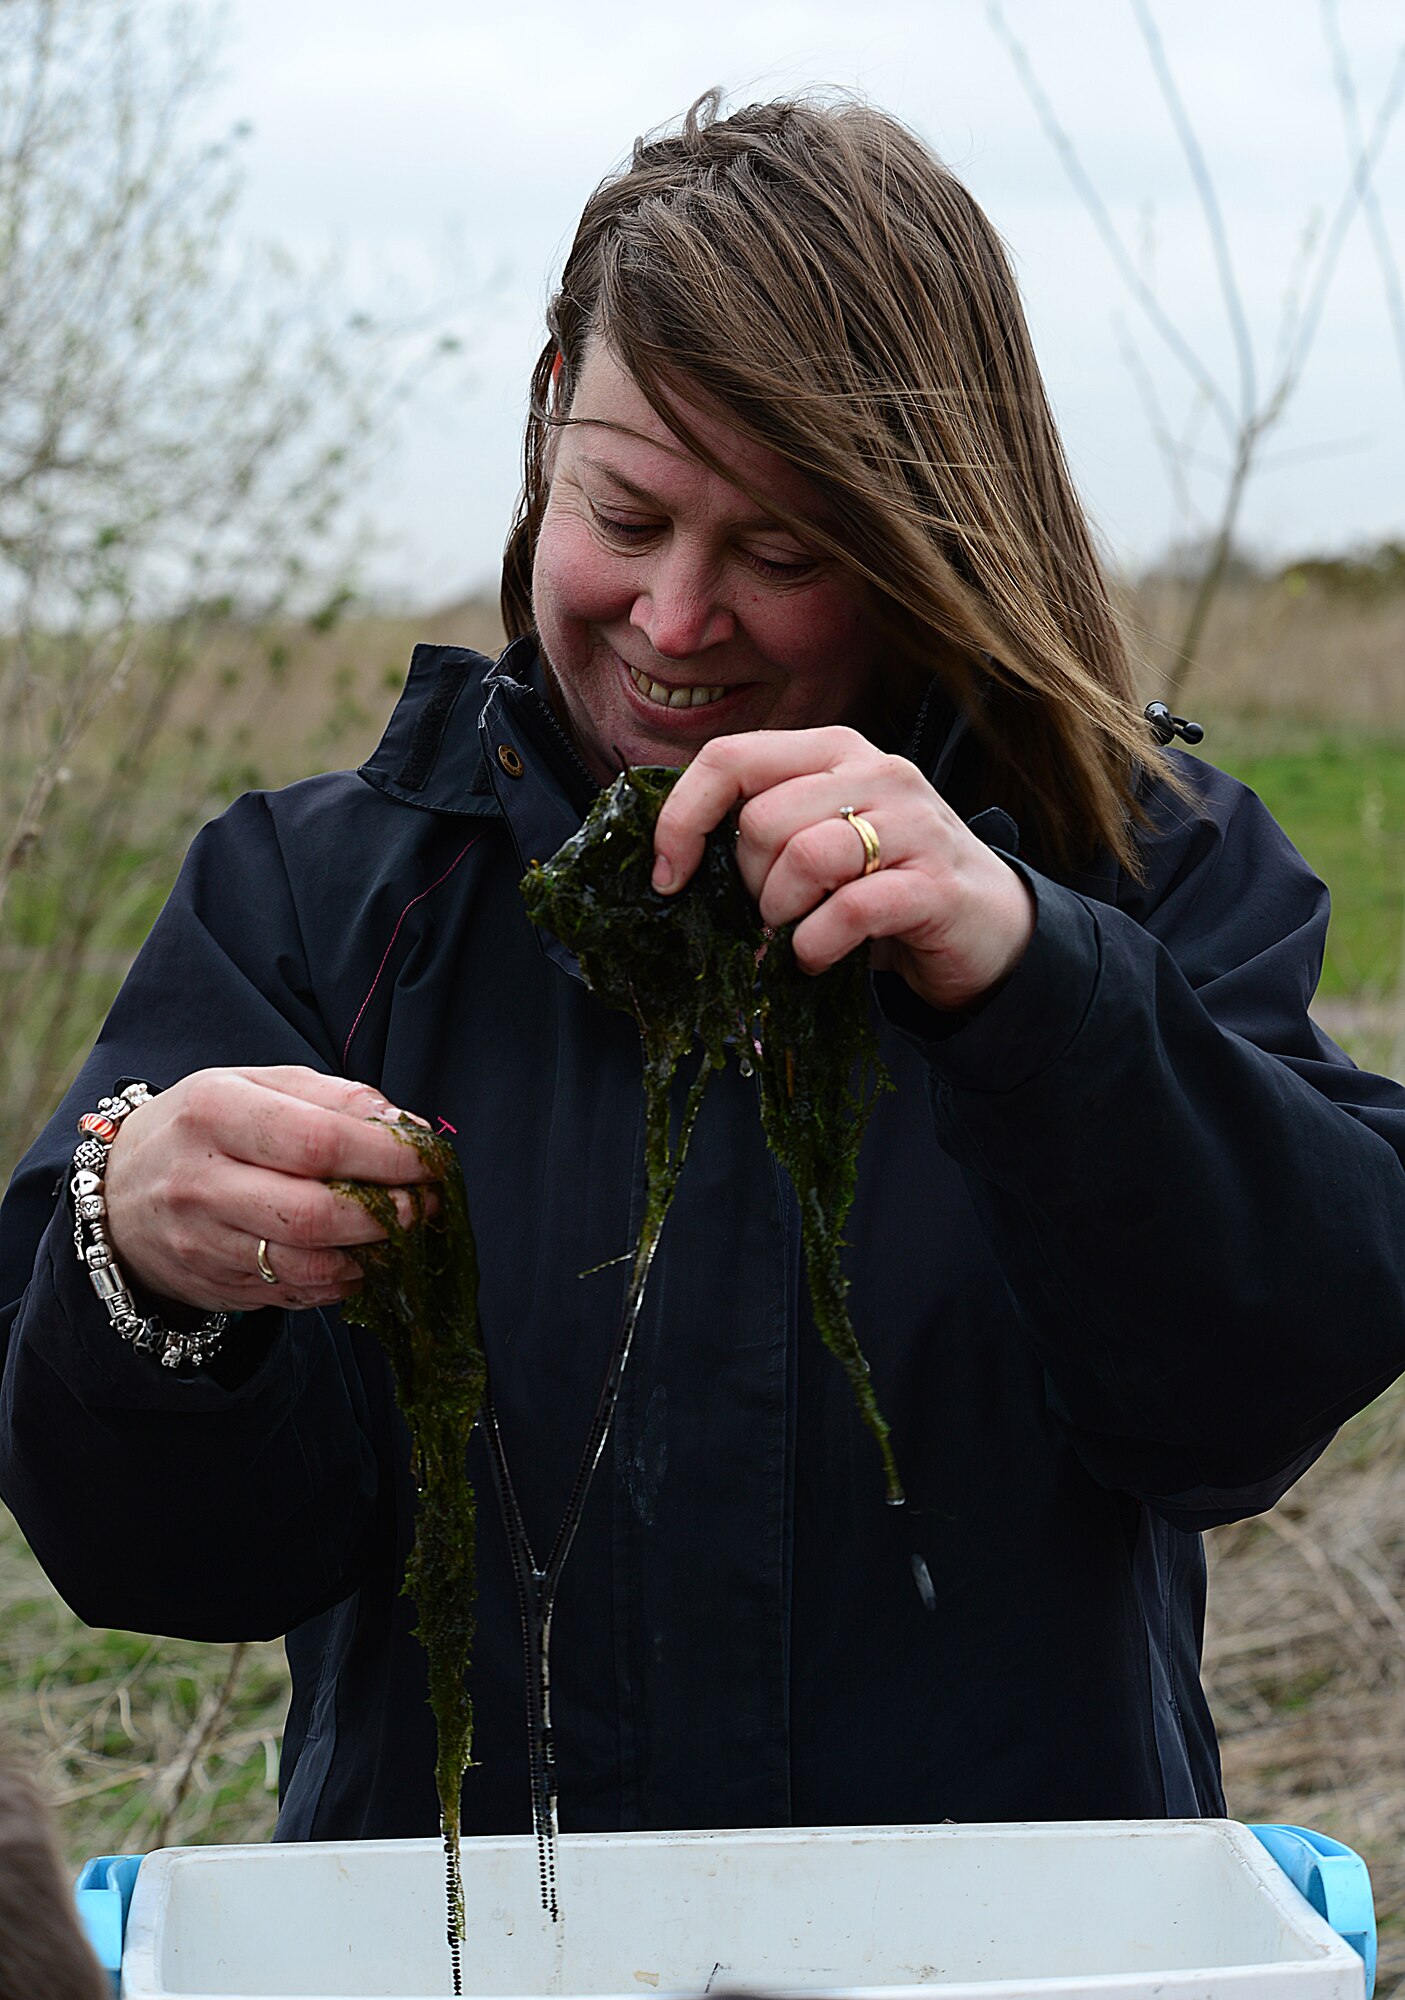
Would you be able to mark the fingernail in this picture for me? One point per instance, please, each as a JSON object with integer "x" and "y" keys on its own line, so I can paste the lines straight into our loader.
{"x": 662, "y": 877}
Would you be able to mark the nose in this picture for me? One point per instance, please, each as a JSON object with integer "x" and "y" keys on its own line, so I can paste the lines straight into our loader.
{"x": 682, "y": 605}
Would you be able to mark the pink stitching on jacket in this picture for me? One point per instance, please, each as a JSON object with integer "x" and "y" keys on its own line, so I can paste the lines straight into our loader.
{"x": 394, "y": 935}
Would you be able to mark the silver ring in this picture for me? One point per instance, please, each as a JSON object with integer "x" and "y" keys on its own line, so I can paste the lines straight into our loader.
{"x": 266, "y": 1270}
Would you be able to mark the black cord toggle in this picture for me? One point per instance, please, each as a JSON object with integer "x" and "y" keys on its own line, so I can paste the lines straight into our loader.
{"x": 1165, "y": 725}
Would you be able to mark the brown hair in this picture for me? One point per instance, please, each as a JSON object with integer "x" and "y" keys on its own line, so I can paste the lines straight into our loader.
{"x": 814, "y": 270}
{"x": 43, "y": 1951}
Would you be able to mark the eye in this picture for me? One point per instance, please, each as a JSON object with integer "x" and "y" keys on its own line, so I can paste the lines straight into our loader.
{"x": 617, "y": 529}
{"x": 781, "y": 567}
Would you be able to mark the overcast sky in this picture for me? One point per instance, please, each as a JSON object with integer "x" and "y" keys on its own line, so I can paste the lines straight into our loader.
{"x": 446, "y": 146}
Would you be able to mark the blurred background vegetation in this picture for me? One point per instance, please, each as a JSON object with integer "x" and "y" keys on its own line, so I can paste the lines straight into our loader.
{"x": 178, "y": 623}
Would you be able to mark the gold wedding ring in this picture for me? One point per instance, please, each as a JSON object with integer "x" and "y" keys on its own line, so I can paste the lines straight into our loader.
{"x": 872, "y": 845}
{"x": 266, "y": 1270}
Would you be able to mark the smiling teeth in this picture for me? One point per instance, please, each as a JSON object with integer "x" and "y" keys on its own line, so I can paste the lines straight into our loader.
{"x": 675, "y": 697}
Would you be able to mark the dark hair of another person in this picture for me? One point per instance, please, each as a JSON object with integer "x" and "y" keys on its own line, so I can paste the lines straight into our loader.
{"x": 816, "y": 272}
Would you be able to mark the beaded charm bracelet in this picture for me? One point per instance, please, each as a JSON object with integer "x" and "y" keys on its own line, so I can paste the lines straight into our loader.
{"x": 172, "y": 1347}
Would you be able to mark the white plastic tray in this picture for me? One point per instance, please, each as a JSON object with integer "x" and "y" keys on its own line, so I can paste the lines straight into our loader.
{"x": 1121, "y": 1910}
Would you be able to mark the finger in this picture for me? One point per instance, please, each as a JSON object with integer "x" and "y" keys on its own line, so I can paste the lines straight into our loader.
{"x": 215, "y": 1268}
{"x": 729, "y": 770}
{"x": 771, "y": 818}
{"x": 290, "y": 1208}
{"x": 893, "y": 903}
{"x": 284, "y": 1131}
{"x": 818, "y": 804}
{"x": 312, "y": 1086}
{"x": 820, "y": 858}
{"x": 302, "y": 1277}
{"x": 334, "y": 1093}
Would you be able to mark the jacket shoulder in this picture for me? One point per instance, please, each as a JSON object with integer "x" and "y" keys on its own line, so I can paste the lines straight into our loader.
{"x": 1219, "y": 858}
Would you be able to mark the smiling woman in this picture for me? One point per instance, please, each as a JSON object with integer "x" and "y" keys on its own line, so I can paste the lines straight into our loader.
{"x": 819, "y": 314}
{"x": 795, "y": 517}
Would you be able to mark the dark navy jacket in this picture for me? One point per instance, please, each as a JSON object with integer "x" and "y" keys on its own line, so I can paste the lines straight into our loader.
{"x": 1127, "y": 1245}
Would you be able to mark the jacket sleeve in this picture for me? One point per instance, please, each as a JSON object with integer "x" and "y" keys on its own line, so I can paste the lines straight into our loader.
{"x": 230, "y": 1503}
{"x": 1198, "y": 1203}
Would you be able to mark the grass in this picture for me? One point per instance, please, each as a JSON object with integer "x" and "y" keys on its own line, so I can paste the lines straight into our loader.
{"x": 140, "y": 1741}
{"x": 1341, "y": 799}
{"x": 1305, "y": 1659}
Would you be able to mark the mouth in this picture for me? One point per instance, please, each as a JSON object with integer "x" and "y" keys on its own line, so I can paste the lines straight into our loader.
{"x": 689, "y": 695}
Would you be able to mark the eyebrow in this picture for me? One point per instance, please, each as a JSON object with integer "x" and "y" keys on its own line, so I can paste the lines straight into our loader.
{"x": 600, "y": 465}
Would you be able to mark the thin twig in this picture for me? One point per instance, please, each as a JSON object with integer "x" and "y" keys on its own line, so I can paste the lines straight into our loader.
{"x": 1174, "y": 457}
{"x": 1209, "y": 205}
{"x": 1370, "y": 200}
{"x": 198, "y": 1735}
{"x": 1358, "y": 187}
{"x": 1102, "y": 221}
{"x": 1259, "y": 412}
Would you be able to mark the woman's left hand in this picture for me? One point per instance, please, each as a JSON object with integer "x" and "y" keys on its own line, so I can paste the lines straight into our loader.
{"x": 942, "y": 908}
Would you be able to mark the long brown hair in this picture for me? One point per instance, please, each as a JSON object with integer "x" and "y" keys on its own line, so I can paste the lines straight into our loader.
{"x": 813, "y": 269}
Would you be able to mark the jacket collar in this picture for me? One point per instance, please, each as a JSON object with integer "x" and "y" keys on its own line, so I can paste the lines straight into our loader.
{"x": 430, "y": 755}
{"x": 542, "y": 787}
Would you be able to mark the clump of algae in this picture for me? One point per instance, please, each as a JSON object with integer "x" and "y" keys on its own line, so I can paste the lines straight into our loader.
{"x": 699, "y": 968}
{"x": 420, "y": 1299}
{"x": 695, "y": 970}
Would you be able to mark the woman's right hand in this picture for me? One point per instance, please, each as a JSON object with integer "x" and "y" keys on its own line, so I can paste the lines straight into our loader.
{"x": 199, "y": 1174}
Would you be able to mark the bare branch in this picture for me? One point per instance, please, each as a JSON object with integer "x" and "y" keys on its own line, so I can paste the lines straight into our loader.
{"x": 1102, "y": 221}
{"x": 1221, "y": 547}
{"x": 1174, "y": 454}
{"x": 1259, "y": 410}
{"x": 1370, "y": 200}
{"x": 1357, "y": 189}
{"x": 175, "y": 1781}
{"x": 1209, "y": 204}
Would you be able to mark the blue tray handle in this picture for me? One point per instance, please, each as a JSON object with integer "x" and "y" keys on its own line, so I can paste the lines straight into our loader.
{"x": 103, "y": 1893}
{"x": 1334, "y": 1880}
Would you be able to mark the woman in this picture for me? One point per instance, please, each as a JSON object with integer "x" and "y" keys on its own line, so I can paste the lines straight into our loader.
{"x": 1128, "y": 1235}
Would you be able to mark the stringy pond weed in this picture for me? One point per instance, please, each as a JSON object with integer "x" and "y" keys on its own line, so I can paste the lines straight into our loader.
{"x": 697, "y": 969}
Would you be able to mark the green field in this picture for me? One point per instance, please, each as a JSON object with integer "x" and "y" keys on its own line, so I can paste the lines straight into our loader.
{"x": 1341, "y": 799}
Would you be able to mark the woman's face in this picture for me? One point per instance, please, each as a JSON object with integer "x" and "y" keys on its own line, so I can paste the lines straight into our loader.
{"x": 670, "y": 608}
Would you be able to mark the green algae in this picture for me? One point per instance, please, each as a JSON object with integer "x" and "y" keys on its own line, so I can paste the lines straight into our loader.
{"x": 683, "y": 967}
{"x": 420, "y": 1299}
{"x": 697, "y": 972}
{"x": 699, "y": 969}
{"x": 819, "y": 1071}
